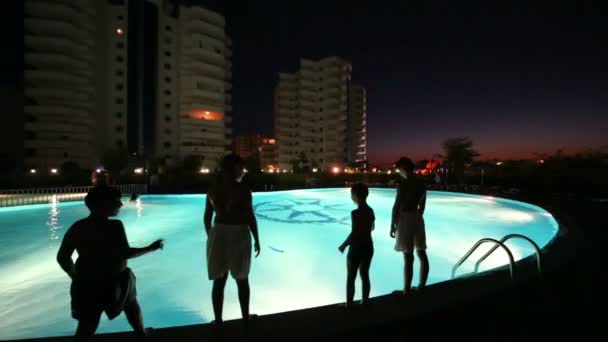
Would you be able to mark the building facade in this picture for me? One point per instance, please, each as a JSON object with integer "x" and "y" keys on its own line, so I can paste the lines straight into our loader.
{"x": 357, "y": 126}
{"x": 269, "y": 157}
{"x": 60, "y": 74}
{"x": 248, "y": 146}
{"x": 151, "y": 77}
{"x": 316, "y": 110}
{"x": 194, "y": 77}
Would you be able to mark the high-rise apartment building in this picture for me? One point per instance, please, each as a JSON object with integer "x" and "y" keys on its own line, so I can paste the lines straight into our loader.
{"x": 357, "y": 126}
{"x": 152, "y": 77}
{"x": 258, "y": 147}
{"x": 60, "y": 78}
{"x": 194, "y": 77}
{"x": 316, "y": 110}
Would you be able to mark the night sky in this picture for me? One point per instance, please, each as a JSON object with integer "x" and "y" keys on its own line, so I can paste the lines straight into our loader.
{"x": 518, "y": 80}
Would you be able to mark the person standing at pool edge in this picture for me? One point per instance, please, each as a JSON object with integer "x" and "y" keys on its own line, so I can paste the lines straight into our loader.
{"x": 407, "y": 223}
{"x": 229, "y": 238}
{"x": 359, "y": 241}
{"x": 101, "y": 280}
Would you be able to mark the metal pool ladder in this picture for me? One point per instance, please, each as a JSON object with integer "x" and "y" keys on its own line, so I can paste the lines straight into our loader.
{"x": 499, "y": 243}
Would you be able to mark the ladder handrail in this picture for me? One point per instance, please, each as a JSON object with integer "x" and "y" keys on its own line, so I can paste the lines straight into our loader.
{"x": 503, "y": 240}
{"x": 479, "y": 243}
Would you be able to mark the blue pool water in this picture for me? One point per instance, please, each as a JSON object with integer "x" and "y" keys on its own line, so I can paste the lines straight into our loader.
{"x": 299, "y": 266}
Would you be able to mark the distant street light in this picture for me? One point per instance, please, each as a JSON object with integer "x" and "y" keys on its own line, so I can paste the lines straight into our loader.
{"x": 139, "y": 170}
{"x": 54, "y": 171}
{"x": 32, "y": 171}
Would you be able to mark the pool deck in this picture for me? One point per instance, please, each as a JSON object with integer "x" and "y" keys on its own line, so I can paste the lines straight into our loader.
{"x": 485, "y": 306}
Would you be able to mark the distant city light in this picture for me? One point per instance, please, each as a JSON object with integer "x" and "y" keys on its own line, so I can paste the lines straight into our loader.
{"x": 271, "y": 170}
{"x": 98, "y": 170}
{"x": 32, "y": 171}
{"x": 139, "y": 170}
{"x": 206, "y": 112}
{"x": 389, "y": 172}
{"x": 204, "y": 170}
{"x": 499, "y": 163}
{"x": 335, "y": 170}
{"x": 245, "y": 170}
{"x": 541, "y": 161}
{"x": 54, "y": 171}
{"x": 374, "y": 170}
{"x": 315, "y": 170}
{"x": 120, "y": 31}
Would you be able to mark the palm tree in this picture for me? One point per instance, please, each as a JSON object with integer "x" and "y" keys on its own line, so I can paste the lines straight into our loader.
{"x": 458, "y": 152}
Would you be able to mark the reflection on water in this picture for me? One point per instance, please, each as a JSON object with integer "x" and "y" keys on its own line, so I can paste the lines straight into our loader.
{"x": 53, "y": 221}
{"x": 139, "y": 207}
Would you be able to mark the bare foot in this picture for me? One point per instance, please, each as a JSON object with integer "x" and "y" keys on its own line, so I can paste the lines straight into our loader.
{"x": 345, "y": 306}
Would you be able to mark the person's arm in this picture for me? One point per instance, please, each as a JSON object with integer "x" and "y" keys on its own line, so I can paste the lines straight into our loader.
{"x": 395, "y": 215}
{"x": 349, "y": 238}
{"x": 253, "y": 225}
{"x": 373, "y": 221}
{"x": 208, "y": 216}
{"x": 135, "y": 252}
{"x": 422, "y": 204}
{"x": 64, "y": 256}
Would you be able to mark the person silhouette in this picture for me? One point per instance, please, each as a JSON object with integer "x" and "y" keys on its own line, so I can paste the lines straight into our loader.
{"x": 101, "y": 280}
{"x": 229, "y": 234}
{"x": 407, "y": 222}
{"x": 359, "y": 241}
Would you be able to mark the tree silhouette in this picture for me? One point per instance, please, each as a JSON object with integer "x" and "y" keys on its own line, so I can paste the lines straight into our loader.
{"x": 458, "y": 152}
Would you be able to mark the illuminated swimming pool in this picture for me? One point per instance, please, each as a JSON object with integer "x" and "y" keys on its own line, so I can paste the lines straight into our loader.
{"x": 299, "y": 266}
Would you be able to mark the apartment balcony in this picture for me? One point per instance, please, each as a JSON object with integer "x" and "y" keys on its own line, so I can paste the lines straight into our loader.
{"x": 206, "y": 56}
{"x": 60, "y": 79}
{"x": 53, "y": 60}
{"x": 207, "y": 151}
{"x": 56, "y": 112}
{"x": 56, "y": 11}
{"x": 198, "y": 68}
{"x": 200, "y": 27}
{"x": 55, "y": 28}
{"x": 75, "y": 143}
{"x": 51, "y": 46}
{"x": 59, "y": 126}
{"x": 195, "y": 13}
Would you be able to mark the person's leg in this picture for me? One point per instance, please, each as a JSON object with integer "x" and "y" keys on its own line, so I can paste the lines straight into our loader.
{"x": 217, "y": 297}
{"x": 135, "y": 318}
{"x": 86, "y": 328}
{"x": 352, "y": 264}
{"x": 408, "y": 271}
{"x": 365, "y": 283}
{"x": 424, "y": 267}
{"x": 244, "y": 293}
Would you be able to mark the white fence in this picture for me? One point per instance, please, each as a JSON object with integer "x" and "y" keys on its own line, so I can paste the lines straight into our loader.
{"x": 10, "y": 198}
